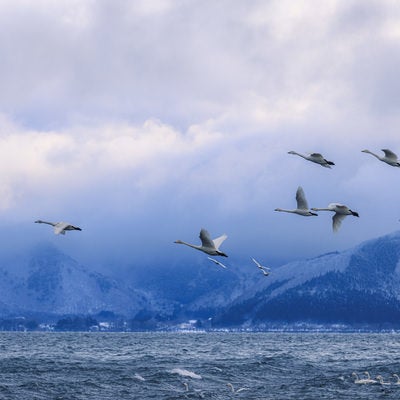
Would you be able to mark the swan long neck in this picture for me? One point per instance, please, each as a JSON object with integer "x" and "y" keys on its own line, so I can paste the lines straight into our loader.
{"x": 299, "y": 154}
{"x": 45, "y": 222}
{"x": 284, "y": 210}
{"x": 373, "y": 154}
{"x": 187, "y": 244}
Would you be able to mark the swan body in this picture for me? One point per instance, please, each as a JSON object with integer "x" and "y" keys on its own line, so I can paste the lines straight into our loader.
{"x": 369, "y": 379}
{"x": 340, "y": 210}
{"x": 389, "y": 157}
{"x": 315, "y": 158}
{"x": 302, "y": 205}
{"x": 208, "y": 245}
{"x": 217, "y": 262}
{"x": 60, "y": 227}
{"x": 361, "y": 381}
{"x": 263, "y": 269}
{"x": 380, "y": 380}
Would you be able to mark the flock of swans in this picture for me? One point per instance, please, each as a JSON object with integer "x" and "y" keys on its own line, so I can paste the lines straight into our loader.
{"x": 212, "y": 246}
{"x": 340, "y": 210}
{"x": 378, "y": 379}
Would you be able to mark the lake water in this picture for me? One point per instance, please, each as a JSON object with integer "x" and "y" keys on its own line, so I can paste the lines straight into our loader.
{"x": 196, "y": 365}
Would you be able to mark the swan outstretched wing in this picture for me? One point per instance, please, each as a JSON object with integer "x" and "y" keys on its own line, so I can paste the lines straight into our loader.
{"x": 389, "y": 154}
{"x": 206, "y": 238}
{"x": 219, "y": 240}
{"x": 337, "y": 221}
{"x": 316, "y": 155}
{"x": 301, "y": 199}
{"x": 257, "y": 263}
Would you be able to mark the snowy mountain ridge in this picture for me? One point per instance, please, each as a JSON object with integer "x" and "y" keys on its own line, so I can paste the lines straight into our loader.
{"x": 359, "y": 285}
{"x": 356, "y": 286}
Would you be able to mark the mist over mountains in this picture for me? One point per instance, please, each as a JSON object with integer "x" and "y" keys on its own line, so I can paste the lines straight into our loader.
{"x": 357, "y": 287}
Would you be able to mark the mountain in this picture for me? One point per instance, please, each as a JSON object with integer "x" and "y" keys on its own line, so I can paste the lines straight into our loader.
{"x": 360, "y": 286}
{"x": 47, "y": 281}
{"x": 356, "y": 287}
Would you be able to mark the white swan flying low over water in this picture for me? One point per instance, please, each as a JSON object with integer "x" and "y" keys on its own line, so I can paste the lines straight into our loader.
{"x": 315, "y": 158}
{"x": 340, "y": 210}
{"x": 302, "y": 205}
{"x": 60, "y": 227}
{"x": 264, "y": 270}
{"x": 389, "y": 157}
{"x": 208, "y": 245}
{"x": 217, "y": 262}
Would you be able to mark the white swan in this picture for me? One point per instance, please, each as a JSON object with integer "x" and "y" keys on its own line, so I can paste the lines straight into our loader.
{"x": 315, "y": 158}
{"x": 380, "y": 380}
{"x": 360, "y": 381}
{"x": 217, "y": 262}
{"x": 302, "y": 205}
{"x": 340, "y": 210}
{"x": 263, "y": 269}
{"x": 389, "y": 157}
{"x": 369, "y": 379}
{"x": 208, "y": 245}
{"x": 60, "y": 227}
{"x": 233, "y": 389}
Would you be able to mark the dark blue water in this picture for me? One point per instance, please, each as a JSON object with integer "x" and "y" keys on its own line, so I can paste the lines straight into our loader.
{"x": 196, "y": 365}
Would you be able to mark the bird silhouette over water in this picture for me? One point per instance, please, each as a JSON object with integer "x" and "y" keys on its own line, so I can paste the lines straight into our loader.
{"x": 217, "y": 262}
{"x": 264, "y": 270}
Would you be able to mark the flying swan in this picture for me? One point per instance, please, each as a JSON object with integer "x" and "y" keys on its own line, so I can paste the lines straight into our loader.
{"x": 315, "y": 158}
{"x": 302, "y": 205}
{"x": 389, "y": 157}
{"x": 60, "y": 227}
{"x": 217, "y": 262}
{"x": 340, "y": 210}
{"x": 264, "y": 270}
{"x": 208, "y": 245}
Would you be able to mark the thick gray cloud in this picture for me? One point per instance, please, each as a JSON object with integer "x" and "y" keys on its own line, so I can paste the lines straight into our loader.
{"x": 145, "y": 121}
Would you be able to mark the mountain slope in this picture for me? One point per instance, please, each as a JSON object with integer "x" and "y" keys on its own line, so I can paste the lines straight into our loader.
{"x": 48, "y": 281}
{"x": 358, "y": 286}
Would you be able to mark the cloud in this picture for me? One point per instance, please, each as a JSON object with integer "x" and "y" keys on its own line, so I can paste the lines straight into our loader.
{"x": 145, "y": 121}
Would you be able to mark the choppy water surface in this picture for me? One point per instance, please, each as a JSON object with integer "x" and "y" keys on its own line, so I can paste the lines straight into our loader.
{"x": 196, "y": 365}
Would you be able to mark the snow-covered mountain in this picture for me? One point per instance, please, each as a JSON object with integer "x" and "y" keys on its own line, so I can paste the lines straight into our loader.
{"x": 357, "y": 286}
{"x": 47, "y": 281}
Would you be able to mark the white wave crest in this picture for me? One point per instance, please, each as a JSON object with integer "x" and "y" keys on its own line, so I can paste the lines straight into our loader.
{"x": 139, "y": 377}
{"x": 186, "y": 373}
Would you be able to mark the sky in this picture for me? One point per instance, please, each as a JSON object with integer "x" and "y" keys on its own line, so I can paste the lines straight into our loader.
{"x": 144, "y": 121}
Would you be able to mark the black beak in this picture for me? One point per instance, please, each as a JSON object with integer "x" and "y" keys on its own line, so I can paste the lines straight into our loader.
{"x": 354, "y": 213}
